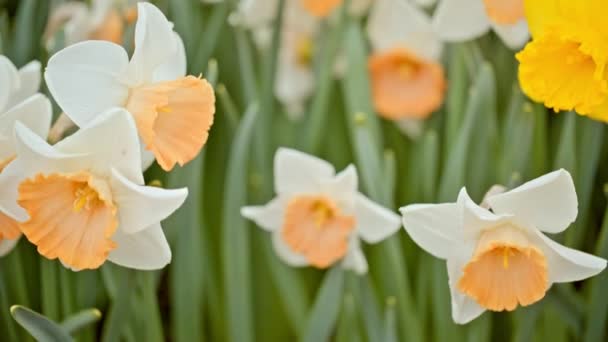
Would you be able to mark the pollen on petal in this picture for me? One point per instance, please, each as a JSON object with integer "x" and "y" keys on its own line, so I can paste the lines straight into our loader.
{"x": 72, "y": 218}
{"x": 404, "y": 85}
{"x": 315, "y": 228}
{"x": 173, "y": 118}
{"x": 505, "y": 12}
{"x": 506, "y": 271}
{"x": 320, "y": 8}
{"x": 110, "y": 29}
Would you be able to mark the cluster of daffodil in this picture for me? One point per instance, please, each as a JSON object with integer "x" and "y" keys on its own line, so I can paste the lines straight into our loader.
{"x": 83, "y": 199}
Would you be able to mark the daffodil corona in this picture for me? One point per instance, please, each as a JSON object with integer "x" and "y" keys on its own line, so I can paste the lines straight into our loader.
{"x": 498, "y": 257}
{"x": 19, "y": 102}
{"x": 564, "y": 66}
{"x": 319, "y": 217}
{"x": 173, "y": 112}
{"x": 83, "y": 201}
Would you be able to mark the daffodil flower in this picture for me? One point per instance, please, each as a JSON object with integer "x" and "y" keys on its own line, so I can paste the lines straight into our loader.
{"x": 19, "y": 102}
{"x": 173, "y": 113}
{"x": 83, "y": 201}
{"x": 463, "y": 20}
{"x": 564, "y": 66}
{"x": 499, "y": 258}
{"x": 407, "y": 80}
{"x": 318, "y": 217}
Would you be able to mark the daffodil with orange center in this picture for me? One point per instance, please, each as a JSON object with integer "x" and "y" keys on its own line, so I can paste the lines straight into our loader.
{"x": 407, "y": 80}
{"x": 498, "y": 257}
{"x": 19, "y": 102}
{"x": 464, "y": 20}
{"x": 173, "y": 112}
{"x": 564, "y": 66}
{"x": 83, "y": 201}
{"x": 318, "y": 217}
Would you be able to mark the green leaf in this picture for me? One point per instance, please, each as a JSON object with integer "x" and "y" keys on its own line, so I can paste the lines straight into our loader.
{"x": 390, "y": 323}
{"x": 81, "y": 319}
{"x": 236, "y": 236}
{"x": 324, "y": 313}
{"x": 40, "y": 327}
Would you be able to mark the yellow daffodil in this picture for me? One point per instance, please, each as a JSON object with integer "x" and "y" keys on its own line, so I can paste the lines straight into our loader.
{"x": 564, "y": 66}
{"x": 173, "y": 112}
{"x": 318, "y": 216}
{"x": 19, "y": 102}
{"x": 83, "y": 201}
{"x": 498, "y": 257}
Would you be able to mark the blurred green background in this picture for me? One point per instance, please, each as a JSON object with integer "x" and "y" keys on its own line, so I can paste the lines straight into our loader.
{"x": 225, "y": 282}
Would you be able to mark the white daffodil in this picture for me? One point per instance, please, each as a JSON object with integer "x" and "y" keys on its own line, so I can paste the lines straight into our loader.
{"x": 407, "y": 79}
{"x": 463, "y": 20}
{"x": 83, "y": 201}
{"x": 173, "y": 113}
{"x": 318, "y": 217}
{"x": 19, "y": 102}
{"x": 499, "y": 258}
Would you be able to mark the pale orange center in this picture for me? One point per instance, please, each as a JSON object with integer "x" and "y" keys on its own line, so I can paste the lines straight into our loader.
{"x": 315, "y": 228}
{"x": 9, "y": 228}
{"x": 505, "y": 12}
{"x": 320, "y": 8}
{"x": 72, "y": 218}
{"x": 506, "y": 271}
{"x": 404, "y": 85}
{"x": 173, "y": 118}
{"x": 111, "y": 29}
{"x": 304, "y": 51}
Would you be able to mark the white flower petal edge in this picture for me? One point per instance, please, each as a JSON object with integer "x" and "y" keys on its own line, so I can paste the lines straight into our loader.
{"x": 29, "y": 82}
{"x": 142, "y": 206}
{"x": 464, "y": 309}
{"x": 548, "y": 202}
{"x": 7, "y": 245}
{"x": 514, "y": 36}
{"x": 374, "y": 222}
{"x": 460, "y": 20}
{"x": 9, "y": 81}
{"x": 295, "y": 171}
{"x": 285, "y": 253}
{"x": 146, "y": 250}
{"x": 400, "y": 24}
{"x": 354, "y": 259}
{"x": 84, "y": 79}
{"x": 269, "y": 216}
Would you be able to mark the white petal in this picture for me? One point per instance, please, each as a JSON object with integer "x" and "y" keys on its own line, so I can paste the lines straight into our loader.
{"x": 85, "y": 79}
{"x": 269, "y": 216}
{"x": 436, "y": 228}
{"x": 461, "y": 20}
{"x": 294, "y": 82}
{"x": 567, "y": 264}
{"x": 9, "y": 81}
{"x": 146, "y": 250}
{"x": 147, "y": 158}
{"x": 548, "y": 202}
{"x": 7, "y": 245}
{"x": 142, "y": 206}
{"x": 374, "y": 222}
{"x": 475, "y": 218}
{"x": 10, "y": 178}
{"x": 112, "y": 141}
{"x": 175, "y": 66}
{"x": 35, "y": 113}
{"x": 285, "y": 253}
{"x": 343, "y": 188}
{"x": 514, "y": 36}
{"x": 295, "y": 171}
{"x": 397, "y": 23}
{"x": 155, "y": 42}
{"x": 355, "y": 258}
{"x": 464, "y": 308}
{"x": 29, "y": 82}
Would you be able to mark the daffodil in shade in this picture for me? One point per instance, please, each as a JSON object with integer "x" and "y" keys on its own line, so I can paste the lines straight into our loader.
{"x": 498, "y": 258}
{"x": 564, "y": 66}
{"x": 464, "y": 20}
{"x": 407, "y": 80}
{"x": 318, "y": 217}
{"x": 19, "y": 102}
{"x": 83, "y": 200}
{"x": 173, "y": 112}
